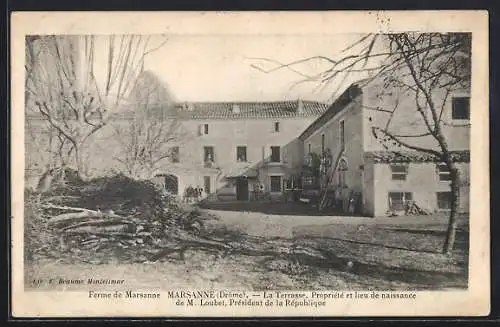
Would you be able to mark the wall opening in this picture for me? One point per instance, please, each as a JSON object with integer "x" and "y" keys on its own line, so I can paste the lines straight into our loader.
{"x": 172, "y": 184}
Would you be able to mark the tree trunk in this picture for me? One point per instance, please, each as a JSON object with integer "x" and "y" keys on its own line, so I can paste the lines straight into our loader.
{"x": 79, "y": 162}
{"x": 452, "y": 223}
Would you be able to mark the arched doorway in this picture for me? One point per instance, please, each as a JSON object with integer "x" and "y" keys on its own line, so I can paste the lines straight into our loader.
{"x": 171, "y": 184}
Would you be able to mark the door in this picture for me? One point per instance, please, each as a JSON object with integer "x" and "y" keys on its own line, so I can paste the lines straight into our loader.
{"x": 172, "y": 184}
{"x": 242, "y": 189}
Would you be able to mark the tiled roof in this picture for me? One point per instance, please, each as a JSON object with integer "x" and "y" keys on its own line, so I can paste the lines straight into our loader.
{"x": 249, "y": 110}
{"x": 412, "y": 156}
{"x": 226, "y": 110}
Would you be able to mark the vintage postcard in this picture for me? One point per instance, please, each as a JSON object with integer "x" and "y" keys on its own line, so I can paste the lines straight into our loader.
{"x": 250, "y": 164}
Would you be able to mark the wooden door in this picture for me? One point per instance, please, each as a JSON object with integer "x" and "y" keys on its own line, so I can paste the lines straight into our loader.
{"x": 242, "y": 189}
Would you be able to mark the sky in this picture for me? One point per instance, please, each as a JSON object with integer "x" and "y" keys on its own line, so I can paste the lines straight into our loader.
{"x": 219, "y": 68}
{"x": 196, "y": 67}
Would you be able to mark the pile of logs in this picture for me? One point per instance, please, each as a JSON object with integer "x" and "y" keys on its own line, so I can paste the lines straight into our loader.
{"x": 137, "y": 223}
{"x": 100, "y": 237}
{"x": 94, "y": 235}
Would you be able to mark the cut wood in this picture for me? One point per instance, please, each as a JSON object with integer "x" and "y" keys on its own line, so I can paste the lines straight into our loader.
{"x": 104, "y": 236}
{"x": 67, "y": 218}
{"x": 54, "y": 206}
{"x": 123, "y": 228}
{"x": 83, "y": 214}
{"x": 60, "y": 198}
{"x": 101, "y": 223}
{"x": 91, "y": 241}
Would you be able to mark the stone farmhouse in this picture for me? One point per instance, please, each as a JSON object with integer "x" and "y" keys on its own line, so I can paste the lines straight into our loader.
{"x": 383, "y": 174}
{"x": 237, "y": 151}
{"x": 233, "y": 150}
{"x": 245, "y": 151}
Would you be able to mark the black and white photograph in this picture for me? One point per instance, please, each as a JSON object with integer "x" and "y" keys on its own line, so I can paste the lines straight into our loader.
{"x": 251, "y": 166}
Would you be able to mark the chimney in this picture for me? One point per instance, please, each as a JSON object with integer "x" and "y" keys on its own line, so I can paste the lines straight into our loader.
{"x": 300, "y": 106}
{"x": 236, "y": 109}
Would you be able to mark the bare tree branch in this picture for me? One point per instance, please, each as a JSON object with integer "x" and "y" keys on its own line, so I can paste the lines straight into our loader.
{"x": 405, "y": 144}
{"x": 70, "y": 98}
{"x": 424, "y": 68}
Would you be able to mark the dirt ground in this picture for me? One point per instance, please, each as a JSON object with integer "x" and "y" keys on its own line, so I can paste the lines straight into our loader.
{"x": 362, "y": 253}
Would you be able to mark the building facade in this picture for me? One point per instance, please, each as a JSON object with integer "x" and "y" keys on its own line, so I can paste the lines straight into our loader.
{"x": 384, "y": 175}
{"x": 231, "y": 151}
{"x": 227, "y": 149}
{"x": 251, "y": 150}
{"x": 238, "y": 151}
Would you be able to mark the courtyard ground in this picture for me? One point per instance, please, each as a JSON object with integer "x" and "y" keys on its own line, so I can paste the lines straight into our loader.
{"x": 314, "y": 252}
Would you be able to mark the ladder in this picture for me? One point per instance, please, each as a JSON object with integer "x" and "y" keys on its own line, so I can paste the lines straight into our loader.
{"x": 327, "y": 197}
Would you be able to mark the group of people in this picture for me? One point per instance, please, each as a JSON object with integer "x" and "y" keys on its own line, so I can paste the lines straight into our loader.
{"x": 192, "y": 194}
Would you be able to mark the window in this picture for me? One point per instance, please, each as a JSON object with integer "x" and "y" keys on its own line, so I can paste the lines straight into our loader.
{"x": 309, "y": 149}
{"x": 205, "y": 129}
{"x": 206, "y": 183}
{"x": 276, "y": 127}
{"x": 275, "y": 183}
{"x": 460, "y": 108}
{"x": 275, "y": 154}
{"x": 443, "y": 200}
{"x": 174, "y": 154}
{"x": 322, "y": 143}
{"x": 241, "y": 153}
{"x": 443, "y": 173}
{"x": 399, "y": 200}
{"x": 171, "y": 183}
{"x": 209, "y": 154}
{"x": 399, "y": 172}
{"x": 342, "y": 134}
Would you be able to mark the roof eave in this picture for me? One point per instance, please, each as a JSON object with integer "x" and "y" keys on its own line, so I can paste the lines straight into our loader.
{"x": 353, "y": 91}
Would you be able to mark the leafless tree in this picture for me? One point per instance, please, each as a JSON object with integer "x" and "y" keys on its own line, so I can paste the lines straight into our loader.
{"x": 425, "y": 67}
{"x": 76, "y": 83}
{"x": 147, "y": 143}
{"x": 150, "y": 134}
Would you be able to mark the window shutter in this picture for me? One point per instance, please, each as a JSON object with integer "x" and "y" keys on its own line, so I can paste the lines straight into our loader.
{"x": 200, "y": 129}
